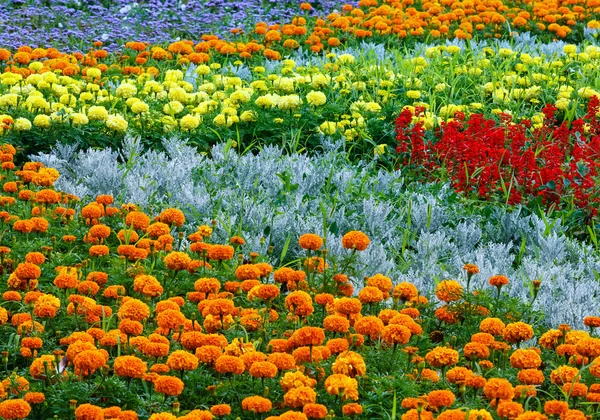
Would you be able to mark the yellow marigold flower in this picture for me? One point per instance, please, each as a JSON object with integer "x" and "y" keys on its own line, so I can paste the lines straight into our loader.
{"x": 316, "y": 98}
{"x": 117, "y": 123}
{"x": 97, "y": 113}
{"x": 22, "y": 124}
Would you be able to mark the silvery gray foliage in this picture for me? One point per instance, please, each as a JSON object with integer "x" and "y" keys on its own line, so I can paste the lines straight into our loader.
{"x": 279, "y": 196}
{"x": 591, "y": 34}
{"x": 191, "y": 76}
{"x": 242, "y": 71}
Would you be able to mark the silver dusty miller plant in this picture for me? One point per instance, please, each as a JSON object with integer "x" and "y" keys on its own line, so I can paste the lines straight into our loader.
{"x": 418, "y": 232}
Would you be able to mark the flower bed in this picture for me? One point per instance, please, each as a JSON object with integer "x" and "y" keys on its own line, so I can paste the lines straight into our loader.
{"x": 128, "y": 316}
{"x": 542, "y": 163}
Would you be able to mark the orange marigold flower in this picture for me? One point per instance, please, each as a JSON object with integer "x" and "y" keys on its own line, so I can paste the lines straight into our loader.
{"x": 257, "y": 404}
{"x": 130, "y": 327}
{"x": 530, "y": 377}
{"x": 219, "y": 307}
{"x": 229, "y": 364}
{"x": 382, "y": 282}
{"x": 35, "y": 258}
{"x": 369, "y": 325}
{"x": 471, "y": 269}
{"x": 300, "y": 396}
{"x": 405, "y": 291}
{"x": 221, "y": 410}
{"x": 209, "y": 354}
{"x": 423, "y": 414}
{"x": 182, "y": 360}
{"x": 89, "y": 412}
{"x": 370, "y": 294}
{"x": 247, "y": 272}
{"x": 130, "y": 367}
{"x": 156, "y": 230}
{"x": 316, "y": 264}
{"x": 51, "y": 197}
{"x": 483, "y": 338}
{"x": 441, "y": 398}
{"x": 355, "y": 240}
{"x": 476, "y": 351}
{"x": 324, "y": 299}
{"x": 442, "y": 356}
{"x": 10, "y": 295}
{"x": 556, "y": 408}
{"x": 34, "y": 397}
{"x": 265, "y": 291}
{"x": 99, "y": 231}
{"x": 283, "y": 361}
{"x": 172, "y": 216}
{"x": 88, "y": 361}
{"x": 509, "y": 409}
{"x": 67, "y": 278}
{"x": 587, "y": 347}
{"x": 299, "y": 303}
{"x": 168, "y": 385}
{"x": 591, "y": 321}
{"x": 339, "y": 384}
{"x": 177, "y": 261}
{"x": 310, "y": 241}
{"x": 565, "y": 374}
{"x": 532, "y": 415}
{"x": 348, "y": 306}
{"x": 575, "y": 389}
{"x": 458, "y": 374}
{"x": 315, "y": 411}
{"x": 493, "y": 326}
{"x": 137, "y": 220}
{"x": 308, "y": 336}
{"x": 237, "y": 240}
{"x": 498, "y": 281}
{"x": 14, "y": 409}
{"x": 147, "y": 285}
{"x": 349, "y": 363}
{"x": 134, "y": 309}
{"x": 263, "y": 370}
{"x": 295, "y": 379}
{"x": 449, "y": 291}
{"x": 207, "y": 285}
{"x": 99, "y": 251}
{"x": 221, "y": 252}
{"x": 395, "y": 334}
{"x": 498, "y": 388}
{"x": 28, "y": 271}
{"x": 517, "y": 332}
{"x": 525, "y": 359}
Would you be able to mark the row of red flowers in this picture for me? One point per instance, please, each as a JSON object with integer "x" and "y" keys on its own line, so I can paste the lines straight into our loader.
{"x": 555, "y": 162}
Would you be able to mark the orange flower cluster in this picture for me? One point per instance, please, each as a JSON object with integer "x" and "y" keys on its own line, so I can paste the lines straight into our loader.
{"x": 166, "y": 335}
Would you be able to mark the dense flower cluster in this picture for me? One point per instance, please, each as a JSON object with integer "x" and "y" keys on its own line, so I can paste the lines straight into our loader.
{"x": 173, "y": 320}
{"x": 527, "y": 161}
